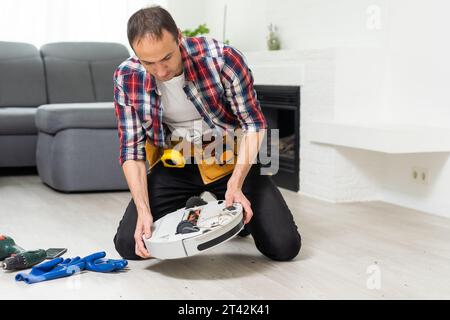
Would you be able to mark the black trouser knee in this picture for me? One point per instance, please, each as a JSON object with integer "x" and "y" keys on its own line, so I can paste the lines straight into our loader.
{"x": 285, "y": 250}
{"x": 272, "y": 226}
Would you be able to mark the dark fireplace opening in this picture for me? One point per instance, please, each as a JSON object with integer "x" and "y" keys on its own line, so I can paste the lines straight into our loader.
{"x": 281, "y": 107}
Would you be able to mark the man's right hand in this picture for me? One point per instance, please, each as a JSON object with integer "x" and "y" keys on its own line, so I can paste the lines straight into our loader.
{"x": 143, "y": 228}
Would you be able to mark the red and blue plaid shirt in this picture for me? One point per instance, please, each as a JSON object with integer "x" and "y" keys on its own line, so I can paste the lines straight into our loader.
{"x": 217, "y": 81}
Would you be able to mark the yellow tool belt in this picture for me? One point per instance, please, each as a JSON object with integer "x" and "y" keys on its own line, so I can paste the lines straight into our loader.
{"x": 210, "y": 170}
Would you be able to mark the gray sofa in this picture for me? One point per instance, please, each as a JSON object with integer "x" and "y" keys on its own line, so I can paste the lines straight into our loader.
{"x": 58, "y": 113}
{"x": 22, "y": 90}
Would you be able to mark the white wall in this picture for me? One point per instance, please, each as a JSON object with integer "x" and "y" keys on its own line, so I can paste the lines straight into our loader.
{"x": 432, "y": 197}
{"x": 418, "y": 50}
{"x": 391, "y": 65}
{"x": 43, "y": 21}
{"x": 302, "y": 24}
{"x": 245, "y": 23}
{"x": 187, "y": 14}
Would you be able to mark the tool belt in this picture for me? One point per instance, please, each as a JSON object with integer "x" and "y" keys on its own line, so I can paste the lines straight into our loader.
{"x": 212, "y": 166}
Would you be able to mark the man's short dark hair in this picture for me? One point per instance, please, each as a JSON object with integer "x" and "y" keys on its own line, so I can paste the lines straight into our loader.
{"x": 151, "y": 21}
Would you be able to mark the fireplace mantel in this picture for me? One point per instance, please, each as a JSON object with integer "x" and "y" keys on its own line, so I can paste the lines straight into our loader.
{"x": 277, "y": 67}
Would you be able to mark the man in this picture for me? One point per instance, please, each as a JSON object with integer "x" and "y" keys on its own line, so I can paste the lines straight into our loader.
{"x": 178, "y": 83}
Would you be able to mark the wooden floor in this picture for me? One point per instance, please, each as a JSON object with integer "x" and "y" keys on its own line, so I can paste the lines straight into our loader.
{"x": 350, "y": 251}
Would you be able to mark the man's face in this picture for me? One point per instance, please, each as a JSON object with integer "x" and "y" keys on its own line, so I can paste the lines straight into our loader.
{"x": 161, "y": 58}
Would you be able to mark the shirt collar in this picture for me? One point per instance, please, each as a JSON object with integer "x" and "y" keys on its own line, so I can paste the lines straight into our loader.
{"x": 188, "y": 66}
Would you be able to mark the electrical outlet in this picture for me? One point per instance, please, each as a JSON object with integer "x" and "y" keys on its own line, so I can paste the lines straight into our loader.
{"x": 420, "y": 175}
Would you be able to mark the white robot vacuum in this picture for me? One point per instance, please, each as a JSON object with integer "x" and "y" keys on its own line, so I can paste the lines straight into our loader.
{"x": 194, "y": 229}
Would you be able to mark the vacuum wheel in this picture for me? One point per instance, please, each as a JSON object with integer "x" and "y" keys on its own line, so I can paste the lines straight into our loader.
{"x": 195, "y": 202}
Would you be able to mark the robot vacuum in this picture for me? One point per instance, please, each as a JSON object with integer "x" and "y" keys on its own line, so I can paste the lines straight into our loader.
{"x": 194, "y": 229}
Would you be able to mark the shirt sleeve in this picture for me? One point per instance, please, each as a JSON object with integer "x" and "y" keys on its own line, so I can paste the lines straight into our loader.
{"x": 131, "y": 132}
{"x": 239, "y": 91}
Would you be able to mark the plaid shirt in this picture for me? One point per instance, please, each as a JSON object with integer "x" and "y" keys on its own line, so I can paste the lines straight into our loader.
{"x": 217, "y": 81}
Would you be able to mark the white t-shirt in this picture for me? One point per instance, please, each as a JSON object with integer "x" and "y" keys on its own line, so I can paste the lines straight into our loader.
{"x": 179, "y": 113}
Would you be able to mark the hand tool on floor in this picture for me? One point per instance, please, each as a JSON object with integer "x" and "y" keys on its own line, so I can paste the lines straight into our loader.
{"x": 8, "y": 247}
{"x": 14, "y": 257}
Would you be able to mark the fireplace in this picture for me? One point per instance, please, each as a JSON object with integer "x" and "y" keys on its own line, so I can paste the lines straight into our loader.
{"x": 281, "y": 107}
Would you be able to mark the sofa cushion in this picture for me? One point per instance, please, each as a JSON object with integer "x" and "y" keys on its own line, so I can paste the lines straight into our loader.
{"x": 17, "y": 121}
{"x": 52, "y": 118}
{"x": 81, "y": 71}
{"x": 22, "y": 80}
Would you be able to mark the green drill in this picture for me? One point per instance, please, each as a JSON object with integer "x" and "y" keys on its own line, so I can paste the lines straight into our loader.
{"x": 15, "y": 257}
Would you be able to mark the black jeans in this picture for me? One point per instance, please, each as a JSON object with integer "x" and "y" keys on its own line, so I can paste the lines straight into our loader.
{"x": 272, "y": 226}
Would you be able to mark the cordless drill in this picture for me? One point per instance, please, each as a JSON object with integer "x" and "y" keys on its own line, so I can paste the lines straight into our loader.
{"x": 15, "y": 257}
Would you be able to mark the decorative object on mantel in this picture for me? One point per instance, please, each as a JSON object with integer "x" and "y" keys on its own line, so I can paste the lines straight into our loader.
{"x": 273, "y": 41}
{"x": 201, "y": 29}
